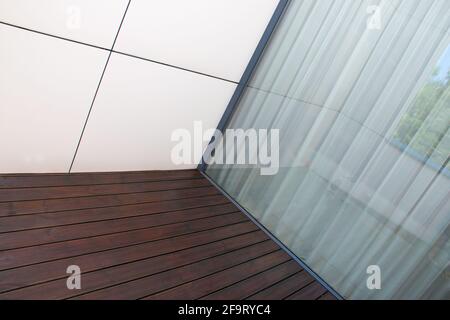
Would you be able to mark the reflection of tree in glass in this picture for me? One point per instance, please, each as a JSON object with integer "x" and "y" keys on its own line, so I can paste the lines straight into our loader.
{"x": 424, "y": 127}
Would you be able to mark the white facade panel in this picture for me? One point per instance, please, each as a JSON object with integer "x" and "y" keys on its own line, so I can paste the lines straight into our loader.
{"x": 137, "y": 109}
{"x": 46, "y": 88}
{"x": 216, "y": 37}
{"x": 92, "y": 21}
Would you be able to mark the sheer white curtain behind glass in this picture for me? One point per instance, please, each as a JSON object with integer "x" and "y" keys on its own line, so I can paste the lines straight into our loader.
{"x": 363, "y": 109}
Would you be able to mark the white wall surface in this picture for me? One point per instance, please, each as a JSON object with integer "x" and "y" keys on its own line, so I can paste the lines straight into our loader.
{"x": 46, "y": 88}
{"x": 91, "y": 21}
{"x": 47, "y": 84}
{"x": 217, "y": 37}
{"x": 139, "y": 107}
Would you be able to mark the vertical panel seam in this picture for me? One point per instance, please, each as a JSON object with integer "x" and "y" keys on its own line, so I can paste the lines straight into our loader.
{"x": 98, "y": 88}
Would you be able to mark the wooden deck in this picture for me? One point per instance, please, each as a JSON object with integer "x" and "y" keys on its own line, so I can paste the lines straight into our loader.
{"x": 137, "y": 235}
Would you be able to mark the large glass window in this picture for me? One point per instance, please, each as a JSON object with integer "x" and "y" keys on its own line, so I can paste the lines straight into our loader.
{"x": 360, "y": 93}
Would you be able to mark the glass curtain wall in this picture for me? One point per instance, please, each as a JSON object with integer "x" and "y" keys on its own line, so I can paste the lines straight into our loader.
{"x": 360, "y": 93}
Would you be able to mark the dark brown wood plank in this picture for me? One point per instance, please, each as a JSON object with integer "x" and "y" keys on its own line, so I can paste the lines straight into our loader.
{"x": 73, "y": 179}
{"x": 25, "y": 194}
{"x": 256, "y": 283}
{"x": 199, "y": 288}
{"x": 127, "y": 272}
{"x": 21, "y": 239}
{"x": 142, "y": 287}
{"x": 312, "y": 291}
{"x": 41, "y": 272}
{"x": 105, "y": 201}
{"x": 327, "y": 296}
{"x": 45, "y": 220}
{"x": 284, "y": 288}
{"x": 24, "y": 256}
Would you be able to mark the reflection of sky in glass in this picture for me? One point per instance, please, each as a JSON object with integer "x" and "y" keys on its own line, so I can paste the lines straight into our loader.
{"x": 443, "y": 66}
